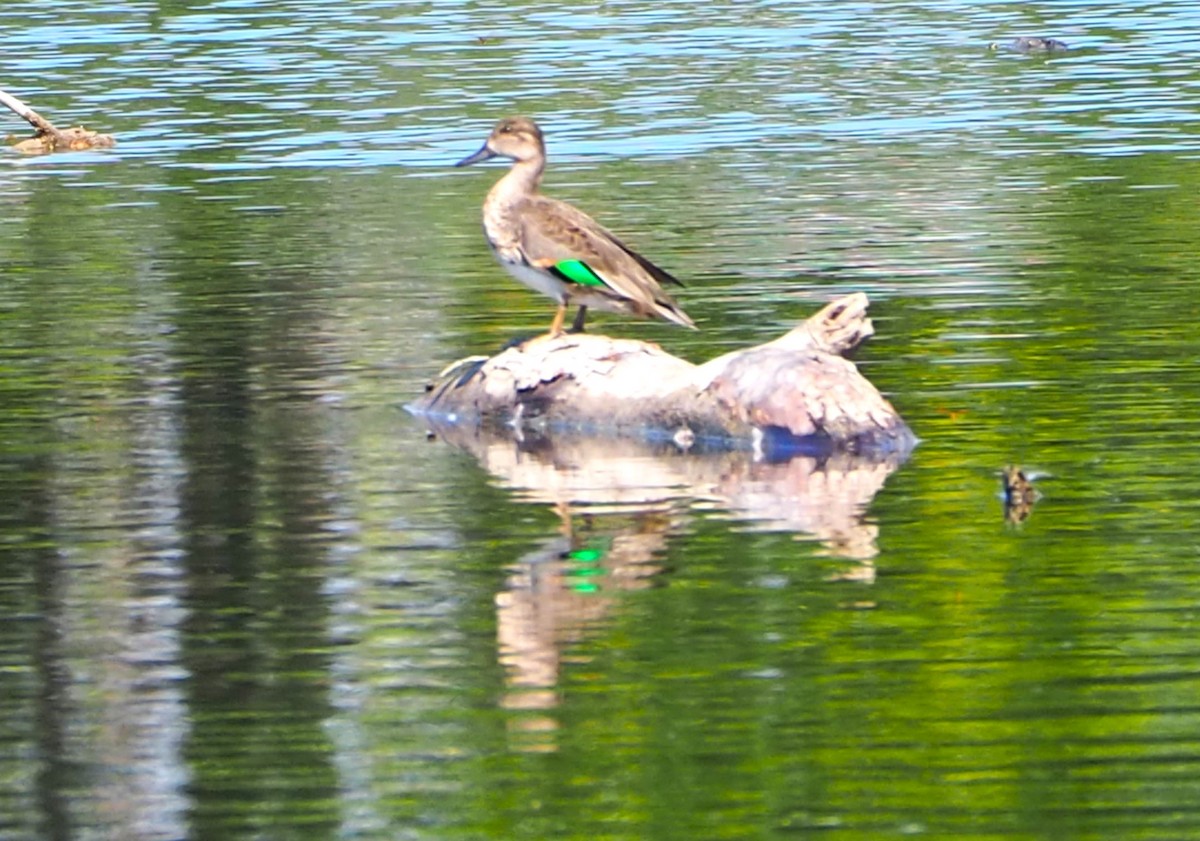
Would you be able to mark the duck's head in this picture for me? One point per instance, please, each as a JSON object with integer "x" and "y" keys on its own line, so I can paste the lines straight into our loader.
{"x": 518, "y": 138}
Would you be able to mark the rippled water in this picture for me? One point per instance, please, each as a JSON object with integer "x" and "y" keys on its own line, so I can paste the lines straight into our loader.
{"x": 243, "y": 596}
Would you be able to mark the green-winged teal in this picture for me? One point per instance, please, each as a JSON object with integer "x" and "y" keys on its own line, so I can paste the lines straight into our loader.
{"x": 558, "y": 250}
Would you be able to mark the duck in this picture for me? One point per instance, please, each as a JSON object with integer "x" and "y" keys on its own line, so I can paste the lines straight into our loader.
{"x": 1019, "y": 493}
{"x": 557, "y": 249}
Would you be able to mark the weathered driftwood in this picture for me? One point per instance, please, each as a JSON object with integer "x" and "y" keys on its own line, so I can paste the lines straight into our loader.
{"x": 797, "y": 394}
{"x": 49, "y": 138}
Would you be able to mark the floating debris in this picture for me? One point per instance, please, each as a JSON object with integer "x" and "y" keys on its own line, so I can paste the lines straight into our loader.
{"x": 48, "y": 138}
{"x": 1030, "y": 45}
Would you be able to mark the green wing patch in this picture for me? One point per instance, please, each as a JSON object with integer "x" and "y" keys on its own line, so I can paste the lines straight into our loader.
{"x": 577, "y": 271}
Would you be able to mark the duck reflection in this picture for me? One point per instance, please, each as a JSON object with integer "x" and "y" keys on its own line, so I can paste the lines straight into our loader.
{"x": 555, "y": 594}
{"x": 619, "y": 504}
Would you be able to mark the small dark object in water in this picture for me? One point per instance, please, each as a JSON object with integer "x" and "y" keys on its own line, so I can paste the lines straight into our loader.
{"x": 1019, "y": 494}
{"x": 1030, "y": 45}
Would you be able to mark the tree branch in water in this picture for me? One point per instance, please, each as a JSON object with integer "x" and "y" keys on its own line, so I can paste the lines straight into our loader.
{"x": 48, "y": 138}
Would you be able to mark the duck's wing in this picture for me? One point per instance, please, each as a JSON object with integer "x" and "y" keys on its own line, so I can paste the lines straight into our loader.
{"x": 559, "y": 238}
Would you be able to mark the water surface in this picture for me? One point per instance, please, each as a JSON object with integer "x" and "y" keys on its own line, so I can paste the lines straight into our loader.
{"x": 243, "y": 596}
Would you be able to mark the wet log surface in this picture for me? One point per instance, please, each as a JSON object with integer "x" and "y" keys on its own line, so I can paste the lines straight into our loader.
{"x": 799, "y": 394}
{"x": 48, "y": 138}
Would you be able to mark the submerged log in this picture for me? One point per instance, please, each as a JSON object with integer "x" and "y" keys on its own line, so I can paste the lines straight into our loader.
{"x": 48, "y": 138}
{"x": 797, "y": 394}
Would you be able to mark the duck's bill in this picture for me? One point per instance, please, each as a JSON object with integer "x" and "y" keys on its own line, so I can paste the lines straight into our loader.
{"x": 483, "y": 154}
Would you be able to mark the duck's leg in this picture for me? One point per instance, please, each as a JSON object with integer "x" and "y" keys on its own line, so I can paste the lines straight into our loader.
{"x": 577, "y": 324}
{"x": 556, "y": 325}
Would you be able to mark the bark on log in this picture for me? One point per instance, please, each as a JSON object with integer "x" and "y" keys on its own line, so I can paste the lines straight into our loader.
{"x": 48, "y": 138}
{"x": 797, "y": 394}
